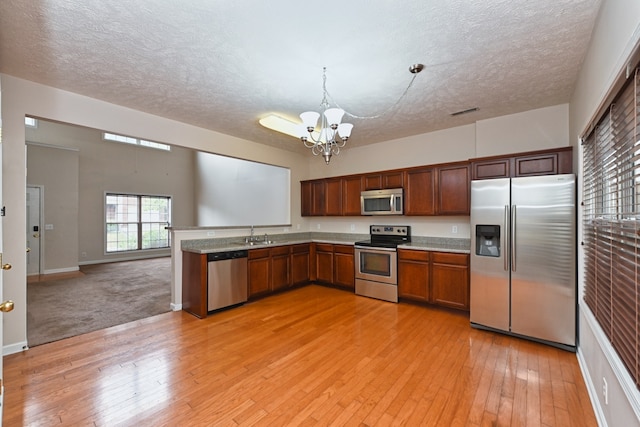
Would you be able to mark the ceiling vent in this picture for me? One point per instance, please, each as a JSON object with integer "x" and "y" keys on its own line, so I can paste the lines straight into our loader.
{"x": 469, "y": 110}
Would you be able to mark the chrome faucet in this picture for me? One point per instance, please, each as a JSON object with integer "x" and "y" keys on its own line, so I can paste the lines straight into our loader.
{"x": 251, "y": 239}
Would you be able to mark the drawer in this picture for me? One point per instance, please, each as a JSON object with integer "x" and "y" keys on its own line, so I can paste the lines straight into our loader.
{"x": 413, "y": 255}
{"x": 324, "y": 247}
{"x": 450, "y": 258}
{"x": 343, "y": 249}
{"x": 302, "y": 248}
{"x": 259, "y": 253}
{"x": 280, "y": 250}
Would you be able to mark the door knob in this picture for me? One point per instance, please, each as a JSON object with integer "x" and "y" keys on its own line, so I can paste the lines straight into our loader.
{"x": 6, "y": 266}
{"x": 36, "y": 235}
{"x": 28, "y": 250}
{"x": 6, "y": 306}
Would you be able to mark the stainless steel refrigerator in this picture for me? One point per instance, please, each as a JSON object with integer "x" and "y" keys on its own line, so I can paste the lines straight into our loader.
{"x": 523, "y": 257}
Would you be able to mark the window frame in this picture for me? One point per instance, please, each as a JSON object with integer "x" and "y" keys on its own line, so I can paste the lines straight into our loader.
{"x": 130, "y": 140}
{"x": 611, "y": 222}
{"x": 139, "y": 222}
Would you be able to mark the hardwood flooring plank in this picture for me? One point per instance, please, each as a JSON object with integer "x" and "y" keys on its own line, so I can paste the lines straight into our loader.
{"x": 309, "y": 356}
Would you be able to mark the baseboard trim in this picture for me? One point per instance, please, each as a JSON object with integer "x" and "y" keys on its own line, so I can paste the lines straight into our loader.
{"x": 62, "y": 270}
{"x": 14, "y": 348}
{"x": 175, "y": 307}
{"x": 619, "y": 370}
{"x": 110, "y": 260}
{"x": 591, "y": 389}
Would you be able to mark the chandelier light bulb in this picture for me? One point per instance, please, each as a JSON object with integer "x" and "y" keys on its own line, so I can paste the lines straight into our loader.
{"x": 344, "y": 130}
{"x": 334, "y": 116}
{"x": 310, "y": 119}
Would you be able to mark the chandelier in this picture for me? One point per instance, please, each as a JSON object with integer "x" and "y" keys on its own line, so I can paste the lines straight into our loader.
{"x": 331, "y": 134}
{"x": 323, "y": 132}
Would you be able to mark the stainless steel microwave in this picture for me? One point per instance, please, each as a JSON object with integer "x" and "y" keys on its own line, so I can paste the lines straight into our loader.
{"x": 382, "y": 202}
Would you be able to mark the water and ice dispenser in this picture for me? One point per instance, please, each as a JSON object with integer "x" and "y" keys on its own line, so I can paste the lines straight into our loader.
{"x": 488, "y": 240}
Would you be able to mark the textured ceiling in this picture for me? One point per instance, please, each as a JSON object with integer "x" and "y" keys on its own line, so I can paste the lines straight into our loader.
{"x": 223, "y": 65}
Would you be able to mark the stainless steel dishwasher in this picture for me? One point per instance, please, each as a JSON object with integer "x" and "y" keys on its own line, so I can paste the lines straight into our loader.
{"x": 227, "y": 279}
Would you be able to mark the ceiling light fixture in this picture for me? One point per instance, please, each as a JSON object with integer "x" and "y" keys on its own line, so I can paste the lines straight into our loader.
{"x": 327, "y": 136}
{"x": 333, "y": 134}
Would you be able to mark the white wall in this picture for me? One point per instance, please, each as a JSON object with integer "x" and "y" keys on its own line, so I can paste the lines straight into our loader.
{"x": 617, "y": 31}
{"x": 21, "y": 97}
{"x": 531, "y": 130}
{"x": 237, "y": 192}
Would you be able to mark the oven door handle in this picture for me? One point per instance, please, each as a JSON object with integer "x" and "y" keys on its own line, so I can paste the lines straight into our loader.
{"x": 375, "y": 248}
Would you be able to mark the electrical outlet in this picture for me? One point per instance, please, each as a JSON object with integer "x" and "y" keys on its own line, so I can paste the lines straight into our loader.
{"x": 454, "y": 229}
{"x": 353, "y": 227}
{"x": 605, "y": 391}
{"x": 318, "y": 226}
{"x": 211, "y": 233}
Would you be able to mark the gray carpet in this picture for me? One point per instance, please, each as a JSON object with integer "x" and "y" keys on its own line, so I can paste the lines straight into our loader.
{"x": 105, "y": 295}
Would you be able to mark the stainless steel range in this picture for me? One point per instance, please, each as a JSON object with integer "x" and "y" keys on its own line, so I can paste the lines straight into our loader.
{"x": 377, "y": 261}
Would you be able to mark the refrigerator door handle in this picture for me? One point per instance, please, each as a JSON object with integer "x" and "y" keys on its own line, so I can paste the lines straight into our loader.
{"x": 513, "y": 237}
{"x": 505, "y": 254}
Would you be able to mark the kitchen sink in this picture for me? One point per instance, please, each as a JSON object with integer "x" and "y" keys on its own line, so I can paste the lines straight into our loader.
{"x": 256, "y": 243}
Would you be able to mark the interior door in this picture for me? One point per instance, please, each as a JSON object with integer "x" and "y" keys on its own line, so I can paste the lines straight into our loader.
{"x": 34, "y": 230}
{"x": 2, "y": 263}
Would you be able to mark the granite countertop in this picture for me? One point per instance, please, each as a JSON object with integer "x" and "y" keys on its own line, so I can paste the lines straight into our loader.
{"x": 205, "y": 246}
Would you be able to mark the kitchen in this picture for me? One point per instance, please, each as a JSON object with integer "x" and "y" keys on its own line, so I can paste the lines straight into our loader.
{"x": 373, "y": 267}
{"x": 547, "y": 127}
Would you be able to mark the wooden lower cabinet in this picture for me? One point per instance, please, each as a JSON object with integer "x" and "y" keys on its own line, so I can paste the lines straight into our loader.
{"x": 450, "y": 280}
{"x": 280, "y": 267}
{"x": 344, "y": 266}
{"x": 300, "y": 264}
{"x": 335, "y": 265}
{"x": 277, "y": 268}
{"x": 259, "y": 271}
{"x": 413, "y": 275}
{"x": 440, "y": 278}
{"x": 194, "y": 284}
{"x": 324, "y": 263}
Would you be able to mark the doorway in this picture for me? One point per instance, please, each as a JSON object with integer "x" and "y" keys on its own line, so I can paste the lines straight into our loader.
{"x": 34, "y": 229}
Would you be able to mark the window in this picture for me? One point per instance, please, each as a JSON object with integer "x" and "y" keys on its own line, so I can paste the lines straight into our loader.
{"x": 30, "y": 122}
{"x": 136, "y": 222}
{"x": 611, "y": 229}
{"x": 134, "y": 141}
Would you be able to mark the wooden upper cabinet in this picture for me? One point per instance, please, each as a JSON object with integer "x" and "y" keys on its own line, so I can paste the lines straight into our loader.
{"x": 419, "y": 192}
{"x": 351, "y": 188}
{"x": 553, "y": 163}
{"x": 533, "y": 163}
{"x": 306, "y": 198}
{"x": 383, "y": 180}
{"x": 454, "y": 189}
{"x": 333, "y": 196}
{"x": 313, "y": 197}
{"x": 491, "y": 169}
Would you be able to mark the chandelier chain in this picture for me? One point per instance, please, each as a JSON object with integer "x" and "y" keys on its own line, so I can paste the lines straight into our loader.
{"x": 377, "y": 116}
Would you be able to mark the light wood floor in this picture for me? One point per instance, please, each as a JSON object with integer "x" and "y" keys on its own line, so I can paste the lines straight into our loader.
{"x": 311, "y": 356}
